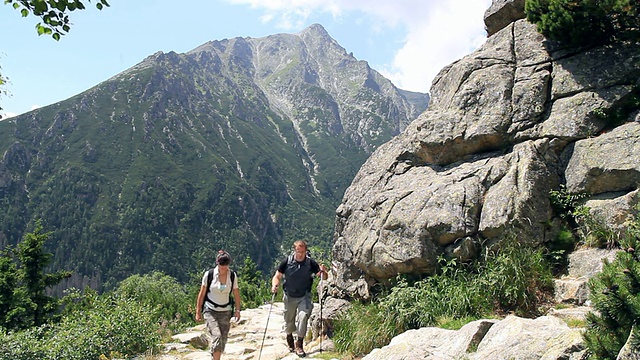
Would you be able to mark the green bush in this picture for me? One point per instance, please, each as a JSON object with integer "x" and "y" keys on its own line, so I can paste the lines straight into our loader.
{"x": 23, "y": 345}
{"x": 585, "y": 22}
{"x": 113, "y": 326}
{"x": 514, "y": 278}
{"x": 170, "y": 300}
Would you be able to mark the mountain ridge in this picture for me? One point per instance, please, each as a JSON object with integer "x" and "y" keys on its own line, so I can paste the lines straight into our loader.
{"x": 235, "y": 144}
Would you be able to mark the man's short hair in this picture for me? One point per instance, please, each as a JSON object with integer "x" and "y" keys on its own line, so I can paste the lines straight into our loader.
{"x": 300, "y": 242}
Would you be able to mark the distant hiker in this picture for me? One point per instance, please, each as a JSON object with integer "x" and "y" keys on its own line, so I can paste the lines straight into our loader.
{"x": 215, "y": 300}
{"x": 297, "y": 269}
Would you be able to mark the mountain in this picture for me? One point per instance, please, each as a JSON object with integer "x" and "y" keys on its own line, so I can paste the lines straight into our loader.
{"x": 243, "y": 144}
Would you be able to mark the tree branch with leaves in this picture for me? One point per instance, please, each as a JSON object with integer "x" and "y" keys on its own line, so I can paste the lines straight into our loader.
{"x": 54, "y": 13}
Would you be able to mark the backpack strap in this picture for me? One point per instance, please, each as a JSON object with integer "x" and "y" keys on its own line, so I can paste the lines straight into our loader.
{"x": 210, "y": 280}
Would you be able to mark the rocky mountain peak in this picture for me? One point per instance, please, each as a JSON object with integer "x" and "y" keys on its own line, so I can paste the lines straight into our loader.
{"x": 315, "y": 30}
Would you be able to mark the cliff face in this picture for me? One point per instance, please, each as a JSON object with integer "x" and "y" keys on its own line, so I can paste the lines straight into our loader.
{"x": 506, "y": 124}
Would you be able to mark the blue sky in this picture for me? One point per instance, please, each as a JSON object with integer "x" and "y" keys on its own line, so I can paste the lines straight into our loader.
{"x": 408, "y": 41}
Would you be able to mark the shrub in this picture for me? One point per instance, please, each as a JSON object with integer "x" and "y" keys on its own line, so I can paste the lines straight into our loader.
{"x": 615, "y": 297}
{"x": 585, "y": 22}
{"x": 113, "y": 326}
{"x": 169, "y": 299}
{"x": 22, "y": 345}
{"x": 513, "y": 278}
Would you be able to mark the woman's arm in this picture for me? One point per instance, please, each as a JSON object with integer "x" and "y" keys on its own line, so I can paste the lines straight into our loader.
{"x": 200, "y": 302}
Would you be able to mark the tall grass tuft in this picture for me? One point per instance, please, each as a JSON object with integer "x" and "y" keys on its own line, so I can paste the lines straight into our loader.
{"x": 365, "y": 327}
{"x": 515, "y": 278}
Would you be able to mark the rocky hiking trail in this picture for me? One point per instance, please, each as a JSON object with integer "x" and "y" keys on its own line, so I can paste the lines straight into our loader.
{"x": 245, "y": 339}
{"x": 549, "y": 337}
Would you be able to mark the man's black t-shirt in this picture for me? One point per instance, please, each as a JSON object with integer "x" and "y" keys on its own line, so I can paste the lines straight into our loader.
{"x": 298, "y": 275}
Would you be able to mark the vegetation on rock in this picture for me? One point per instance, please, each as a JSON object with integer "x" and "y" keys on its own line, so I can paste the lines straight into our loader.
{"x": 585, "y": 22}
{"x": 615, "y": 298}
{"x": 459, "y": 291}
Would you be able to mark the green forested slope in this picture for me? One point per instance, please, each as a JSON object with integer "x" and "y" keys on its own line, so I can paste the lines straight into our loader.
{"x": 162, "y": 165}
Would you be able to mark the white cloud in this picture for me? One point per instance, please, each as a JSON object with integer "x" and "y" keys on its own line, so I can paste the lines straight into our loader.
{"x": 450, "y": 30}
{"x": 438, "y": 32}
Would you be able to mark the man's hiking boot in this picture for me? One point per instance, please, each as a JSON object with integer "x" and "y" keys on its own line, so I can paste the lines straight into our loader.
{"x": 290, "y": 342}
{"x": 299, "y": 350}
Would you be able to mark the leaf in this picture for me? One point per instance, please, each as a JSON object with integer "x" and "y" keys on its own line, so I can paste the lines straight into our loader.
{"x": 39, "y": 7}
{"x": 40, "y": 29}
{"x": 61, "y": 5}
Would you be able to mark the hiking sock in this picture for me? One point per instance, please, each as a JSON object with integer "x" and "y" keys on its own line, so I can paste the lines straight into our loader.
{"x": 290, "y": 342}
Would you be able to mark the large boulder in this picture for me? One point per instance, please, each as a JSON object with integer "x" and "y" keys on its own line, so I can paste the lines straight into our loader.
{"x": 502, "y": 13}
{"x": 514, "y": 337}
{"x": 505, "y": 125}
{"x": 572, "y": 288}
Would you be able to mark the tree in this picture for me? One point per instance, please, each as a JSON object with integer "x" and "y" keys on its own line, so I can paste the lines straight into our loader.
{"x": 615, "y": 297}
{"x": 8, "y": 282}
{"x": 35, "y": 307}
{"x": 54, "y": 13}
{"x": 254, "y": 287}
{"x": 585, "y": 22}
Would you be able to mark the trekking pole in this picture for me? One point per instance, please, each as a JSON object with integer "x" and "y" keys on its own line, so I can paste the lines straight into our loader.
{"x": 266, "y": 326}
{"x": 321, "y": 320}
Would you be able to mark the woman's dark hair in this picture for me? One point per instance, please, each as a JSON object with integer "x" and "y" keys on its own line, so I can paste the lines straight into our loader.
{"x": 223, "y": 258}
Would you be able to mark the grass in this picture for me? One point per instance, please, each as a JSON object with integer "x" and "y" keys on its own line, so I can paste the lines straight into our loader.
{"x": 457, "y": 295}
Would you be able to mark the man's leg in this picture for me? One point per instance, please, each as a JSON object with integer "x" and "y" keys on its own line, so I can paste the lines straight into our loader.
{"x": 290, "y": 309}
{"x": 305, "y": 306}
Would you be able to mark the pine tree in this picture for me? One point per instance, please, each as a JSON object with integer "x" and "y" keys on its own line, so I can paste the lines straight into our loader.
{"x": 35, "y": 307}
{"x": 8, "y": 282}
{"x": 615, "y": 295}
{"x": 585, "y": 22}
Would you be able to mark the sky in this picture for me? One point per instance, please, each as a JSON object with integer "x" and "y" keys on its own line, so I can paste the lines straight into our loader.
{"x": 408, "y": 41}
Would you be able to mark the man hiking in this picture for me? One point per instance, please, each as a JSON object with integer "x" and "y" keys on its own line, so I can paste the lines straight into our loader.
{"x": 298, "y": 270}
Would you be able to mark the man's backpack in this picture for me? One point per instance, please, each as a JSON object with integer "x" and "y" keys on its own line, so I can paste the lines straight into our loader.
{"x": 231, "y": 299}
